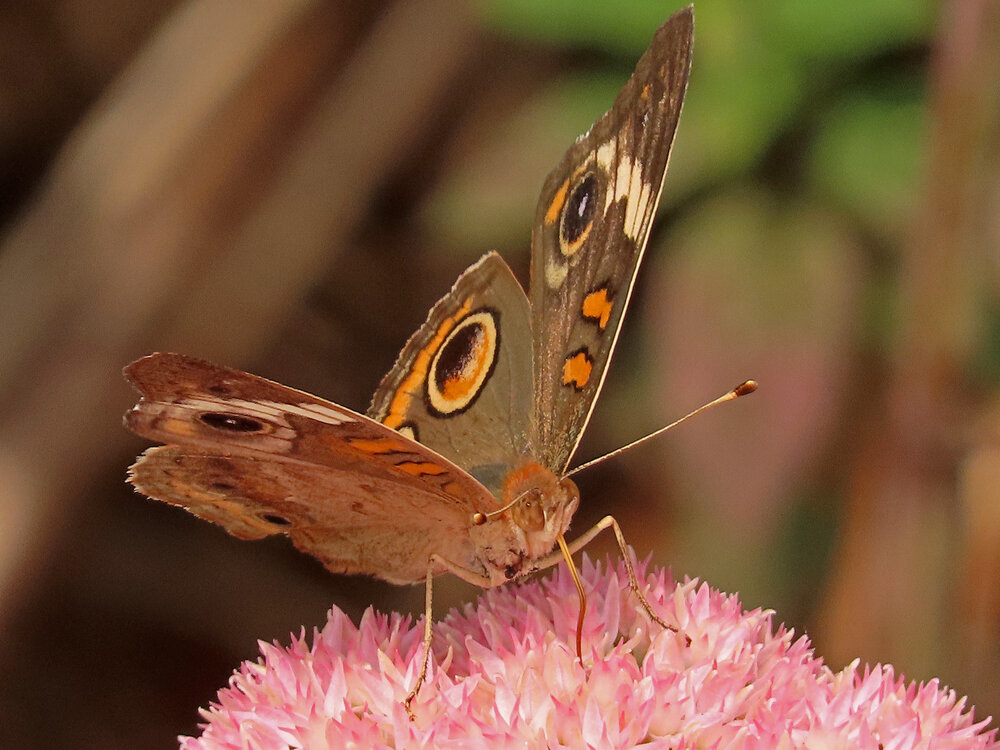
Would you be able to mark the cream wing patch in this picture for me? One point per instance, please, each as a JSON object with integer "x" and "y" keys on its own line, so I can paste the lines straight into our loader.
{"x": 630, "y": 185}
{"x": 269, "y": 409}
{"x": 555, "y": 273}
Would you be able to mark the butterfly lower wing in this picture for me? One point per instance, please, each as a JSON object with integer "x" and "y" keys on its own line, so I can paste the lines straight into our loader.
{"x": 274, "y": 434}
{"x": 591, "y": 229}
{"x": 463, "y": 383}
{"x": 349, "y": 524}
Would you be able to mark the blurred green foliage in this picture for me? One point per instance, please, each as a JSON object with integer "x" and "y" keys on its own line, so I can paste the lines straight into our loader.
{"x": 792, "y": 185}
{"x": 758, "y": 69}
{"x": 867, "y": 154}
{"x": 829, "y": 89}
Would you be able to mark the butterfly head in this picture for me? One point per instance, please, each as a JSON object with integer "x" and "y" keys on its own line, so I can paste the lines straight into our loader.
{"x": 544, "y": 508}
{"x": 537, "y": 508}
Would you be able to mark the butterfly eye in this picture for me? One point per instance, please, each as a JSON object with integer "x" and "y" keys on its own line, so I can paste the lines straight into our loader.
{"x": 529, "y": 513}
{"x": 578, "y": 215}
{"x": 230, "y": 422}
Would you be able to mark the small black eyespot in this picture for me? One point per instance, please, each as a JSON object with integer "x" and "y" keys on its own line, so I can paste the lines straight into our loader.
{"x": 410, "y": 429}
{"x": 579, "y": 211}
{"x": 276, "y": 519}
{"x": 231, "y": 422}
{"x": 510, "y": 572}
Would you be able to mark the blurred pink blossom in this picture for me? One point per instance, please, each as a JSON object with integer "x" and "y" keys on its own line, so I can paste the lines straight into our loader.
{"x": 505, "y": 675}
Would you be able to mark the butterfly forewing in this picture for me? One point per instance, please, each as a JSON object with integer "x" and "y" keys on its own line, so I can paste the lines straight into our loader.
{"x": 591, "y": 228}
{"x": 463, "y": 383}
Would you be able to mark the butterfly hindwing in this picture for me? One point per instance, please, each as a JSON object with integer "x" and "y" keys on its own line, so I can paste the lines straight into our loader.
{"x": 272, "y": 459}
{"x": 591, "y": 228}
{"x": 350, "y": 523}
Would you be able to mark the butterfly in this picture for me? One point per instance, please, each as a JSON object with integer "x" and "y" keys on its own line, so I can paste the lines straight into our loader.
{"x": 461, "y": 463}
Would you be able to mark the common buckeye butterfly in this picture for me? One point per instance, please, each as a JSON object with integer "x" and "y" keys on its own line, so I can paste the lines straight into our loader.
{"x": 460, "y": 464}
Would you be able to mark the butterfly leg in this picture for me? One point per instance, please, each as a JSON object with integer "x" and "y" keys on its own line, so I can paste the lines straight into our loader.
{"x": 428, "y": 600}
{"x": 435, "y": 564}
{"x": 584, "y": 539}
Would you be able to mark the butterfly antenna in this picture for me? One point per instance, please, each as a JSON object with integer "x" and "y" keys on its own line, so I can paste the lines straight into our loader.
{"x": 742, "y": 389}
{"x": 580, "y": 592}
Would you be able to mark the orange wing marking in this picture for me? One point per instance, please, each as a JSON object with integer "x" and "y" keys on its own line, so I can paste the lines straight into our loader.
{"x": 421, "y": 468}
{"x": 410, "y": 387}
{"x": 555, "y": 207}
{"x": 577, "y": 369}
{"x": 379, "y": 445}
{"x": 597, "y": 307}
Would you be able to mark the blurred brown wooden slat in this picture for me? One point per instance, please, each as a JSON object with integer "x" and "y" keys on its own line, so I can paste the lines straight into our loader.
{"x": 894, "y": 586}
{"x": 190, "y": 210}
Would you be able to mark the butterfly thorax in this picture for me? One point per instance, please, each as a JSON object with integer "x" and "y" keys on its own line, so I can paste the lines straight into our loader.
{"x": 539, "y": 507}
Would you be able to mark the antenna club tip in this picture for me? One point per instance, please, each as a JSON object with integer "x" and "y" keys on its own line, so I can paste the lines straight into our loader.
{"x": 478, "y": 519}
{"x": 745, "y": 388}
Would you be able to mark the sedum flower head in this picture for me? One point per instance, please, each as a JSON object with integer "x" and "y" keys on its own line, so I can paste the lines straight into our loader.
{"x": 504, "y": 674}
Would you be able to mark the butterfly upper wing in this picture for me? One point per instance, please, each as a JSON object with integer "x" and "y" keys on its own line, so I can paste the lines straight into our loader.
{"x": 260, "y": 458}
{"x": 591, "y": 228}
{"x": 463, "y": 383}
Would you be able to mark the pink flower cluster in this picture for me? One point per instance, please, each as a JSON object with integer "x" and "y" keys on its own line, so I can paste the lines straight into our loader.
{"x": 505, "y": 675}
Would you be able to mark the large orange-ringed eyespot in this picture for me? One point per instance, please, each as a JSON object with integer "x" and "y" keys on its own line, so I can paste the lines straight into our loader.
{"x": 463, "y": 364}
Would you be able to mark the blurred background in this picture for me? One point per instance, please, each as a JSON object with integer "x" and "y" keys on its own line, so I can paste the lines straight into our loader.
{"x": 287, "y": 187}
